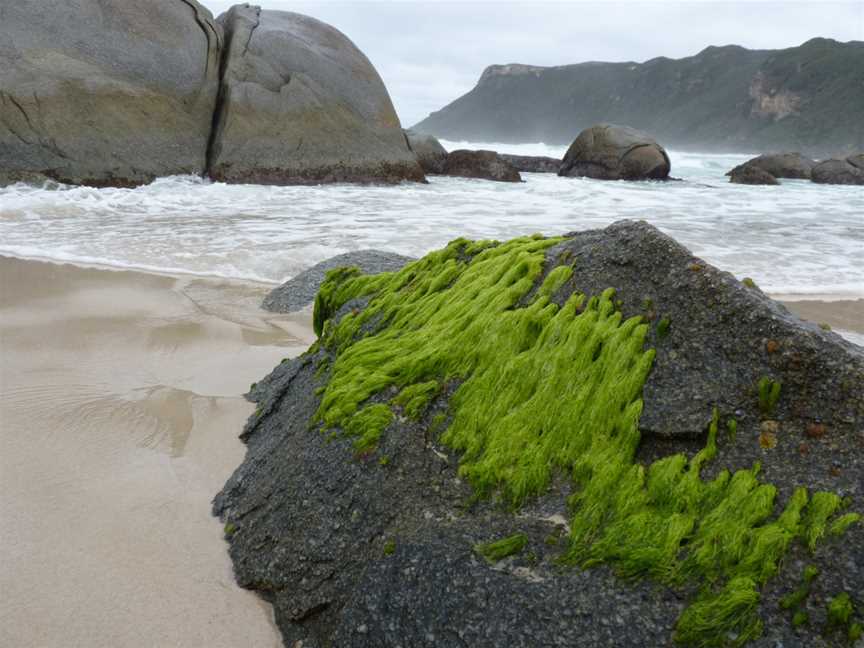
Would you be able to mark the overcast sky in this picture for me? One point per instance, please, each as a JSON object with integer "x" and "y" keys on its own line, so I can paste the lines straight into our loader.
{"x": 431, "y": 52}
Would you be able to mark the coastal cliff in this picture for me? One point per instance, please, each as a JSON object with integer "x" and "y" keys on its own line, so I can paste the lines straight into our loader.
{"x": 805, "y": 98}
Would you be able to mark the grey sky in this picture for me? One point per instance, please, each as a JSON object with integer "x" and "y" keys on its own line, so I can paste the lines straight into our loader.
{"x": 429, "y": 53}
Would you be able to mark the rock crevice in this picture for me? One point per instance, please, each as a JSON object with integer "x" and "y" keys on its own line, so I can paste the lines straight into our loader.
{"x": 122, "y": 106}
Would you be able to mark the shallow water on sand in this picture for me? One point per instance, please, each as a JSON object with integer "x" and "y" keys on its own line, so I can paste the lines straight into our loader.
{"x": 798, "y": 238}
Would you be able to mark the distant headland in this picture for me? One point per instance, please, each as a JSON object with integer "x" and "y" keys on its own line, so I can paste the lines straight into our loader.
{"x": 729, "y": 98}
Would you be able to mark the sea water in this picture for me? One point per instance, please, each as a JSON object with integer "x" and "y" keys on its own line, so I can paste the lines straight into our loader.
{"x": 798, "y": 238}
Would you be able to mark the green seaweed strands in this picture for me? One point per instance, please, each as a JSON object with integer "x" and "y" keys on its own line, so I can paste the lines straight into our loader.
{"x": 769, "y": 394}
{"x": 546, "y": 389}
{"x": 796, "y": 599}
{"x": 367, "y": 425}
{"x": 839, "y": 610}
{"x": 414, "y": 398}
{"x": 732, "y": 609}
{"x": 500, "y": 549}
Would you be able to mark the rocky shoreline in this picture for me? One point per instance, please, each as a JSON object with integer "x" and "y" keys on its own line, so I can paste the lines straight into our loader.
{"x": 253, "y": 96}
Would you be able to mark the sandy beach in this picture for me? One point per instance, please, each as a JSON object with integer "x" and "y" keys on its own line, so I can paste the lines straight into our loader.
{"x": 120, "y": 408}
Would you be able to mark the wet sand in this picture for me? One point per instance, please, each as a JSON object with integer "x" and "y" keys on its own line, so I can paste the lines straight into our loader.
{"x": 119, "y": 416}
{"x": 845, "y": 316}
{"x": 120, "y": 408}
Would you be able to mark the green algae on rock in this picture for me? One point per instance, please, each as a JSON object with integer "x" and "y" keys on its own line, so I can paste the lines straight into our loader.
{"x": 500, "y": 549}
{"x": 546, "y": 389}
{"x": 470, "y": 372}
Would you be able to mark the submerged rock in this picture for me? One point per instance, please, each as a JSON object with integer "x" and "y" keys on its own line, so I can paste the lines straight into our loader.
{"x": 486, "y": 165}
{"x": 300, "y": 104}
{"x": 751, "y": 175}
{"x": 533, "y": 163}
{"x": 779, "y": 165}
{"x": 430, "y": 154}
{"x": 848, "y": 172}
{"x": 492, "y": 447}
{"x": 107, "y": 92}
{"x": 299, "y": 292}
{"x": 608, "y": 152}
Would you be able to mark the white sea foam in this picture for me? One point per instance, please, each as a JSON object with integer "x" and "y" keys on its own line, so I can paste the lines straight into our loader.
{"x": 798, "y": 238}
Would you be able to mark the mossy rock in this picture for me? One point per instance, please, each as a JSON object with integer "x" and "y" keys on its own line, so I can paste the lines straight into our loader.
{"x": 518, "y": 392}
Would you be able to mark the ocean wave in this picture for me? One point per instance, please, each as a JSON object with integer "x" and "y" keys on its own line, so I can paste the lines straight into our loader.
{"x": 796, "y": 238}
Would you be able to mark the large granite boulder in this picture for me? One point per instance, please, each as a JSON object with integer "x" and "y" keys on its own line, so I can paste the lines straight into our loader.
{"x": 751, "y": 175}
{"x": 300, "y": 104}
{"x": 430, "y": 154}
{"x": 609, "y": 152}
{"x": 592, "y": 440}
{"x": 106, "y": 92}
{"x": 849, "y": 171}
{"x": 533, "y": 163}
{"x": 486, "y": 165}
{"x": 780, "y": 165}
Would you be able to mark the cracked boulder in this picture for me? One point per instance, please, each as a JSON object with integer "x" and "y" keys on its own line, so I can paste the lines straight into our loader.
{"x": 300, "y": 104}
{"x": 608, "y": 152}
{"x": 107, "y": 92}
{"x": 430, "y": 154}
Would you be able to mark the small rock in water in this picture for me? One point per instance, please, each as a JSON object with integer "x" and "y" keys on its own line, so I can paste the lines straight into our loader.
{"x": 751, "y": 175}
{"x": 299, "y": 291}
{"x": 485, "y": 165}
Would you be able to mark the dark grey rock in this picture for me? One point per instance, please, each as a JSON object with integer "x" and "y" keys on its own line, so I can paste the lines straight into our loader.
{"x": 609, "y": 152}
{"x": 781, "y": 165}
{"x": 300, "y": 104}
{"x": 430, "y": 154}
{"x": 533, "y": 163}
{"x": 299, "y": 292}
{"x": 486, "y": 165}
{"x": 106, "y": 92}
{"x": 847, "y": 172}
{"x": 751, "y": 175}
{"x": 353, "y": 553}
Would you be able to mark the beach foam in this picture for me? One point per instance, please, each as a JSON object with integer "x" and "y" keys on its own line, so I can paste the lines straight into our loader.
{"x": 799, "y": 238}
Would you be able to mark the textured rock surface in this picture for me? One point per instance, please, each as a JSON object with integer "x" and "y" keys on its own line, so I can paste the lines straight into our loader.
{"x": 486, "y": 165}
{"x": 751, "y": 175}
{"x": 105, "y": 92}
{"x": 533, "y": 163}
{"x": 609, "y": 152}
{"x": 299, "y": 292}
{"x": 375, "y": 549}
{"x": 300, "y": 104}
{"x": 849, "y": 171}
{"x": 781, "y": 165}
{"x": 430, "y": 154}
